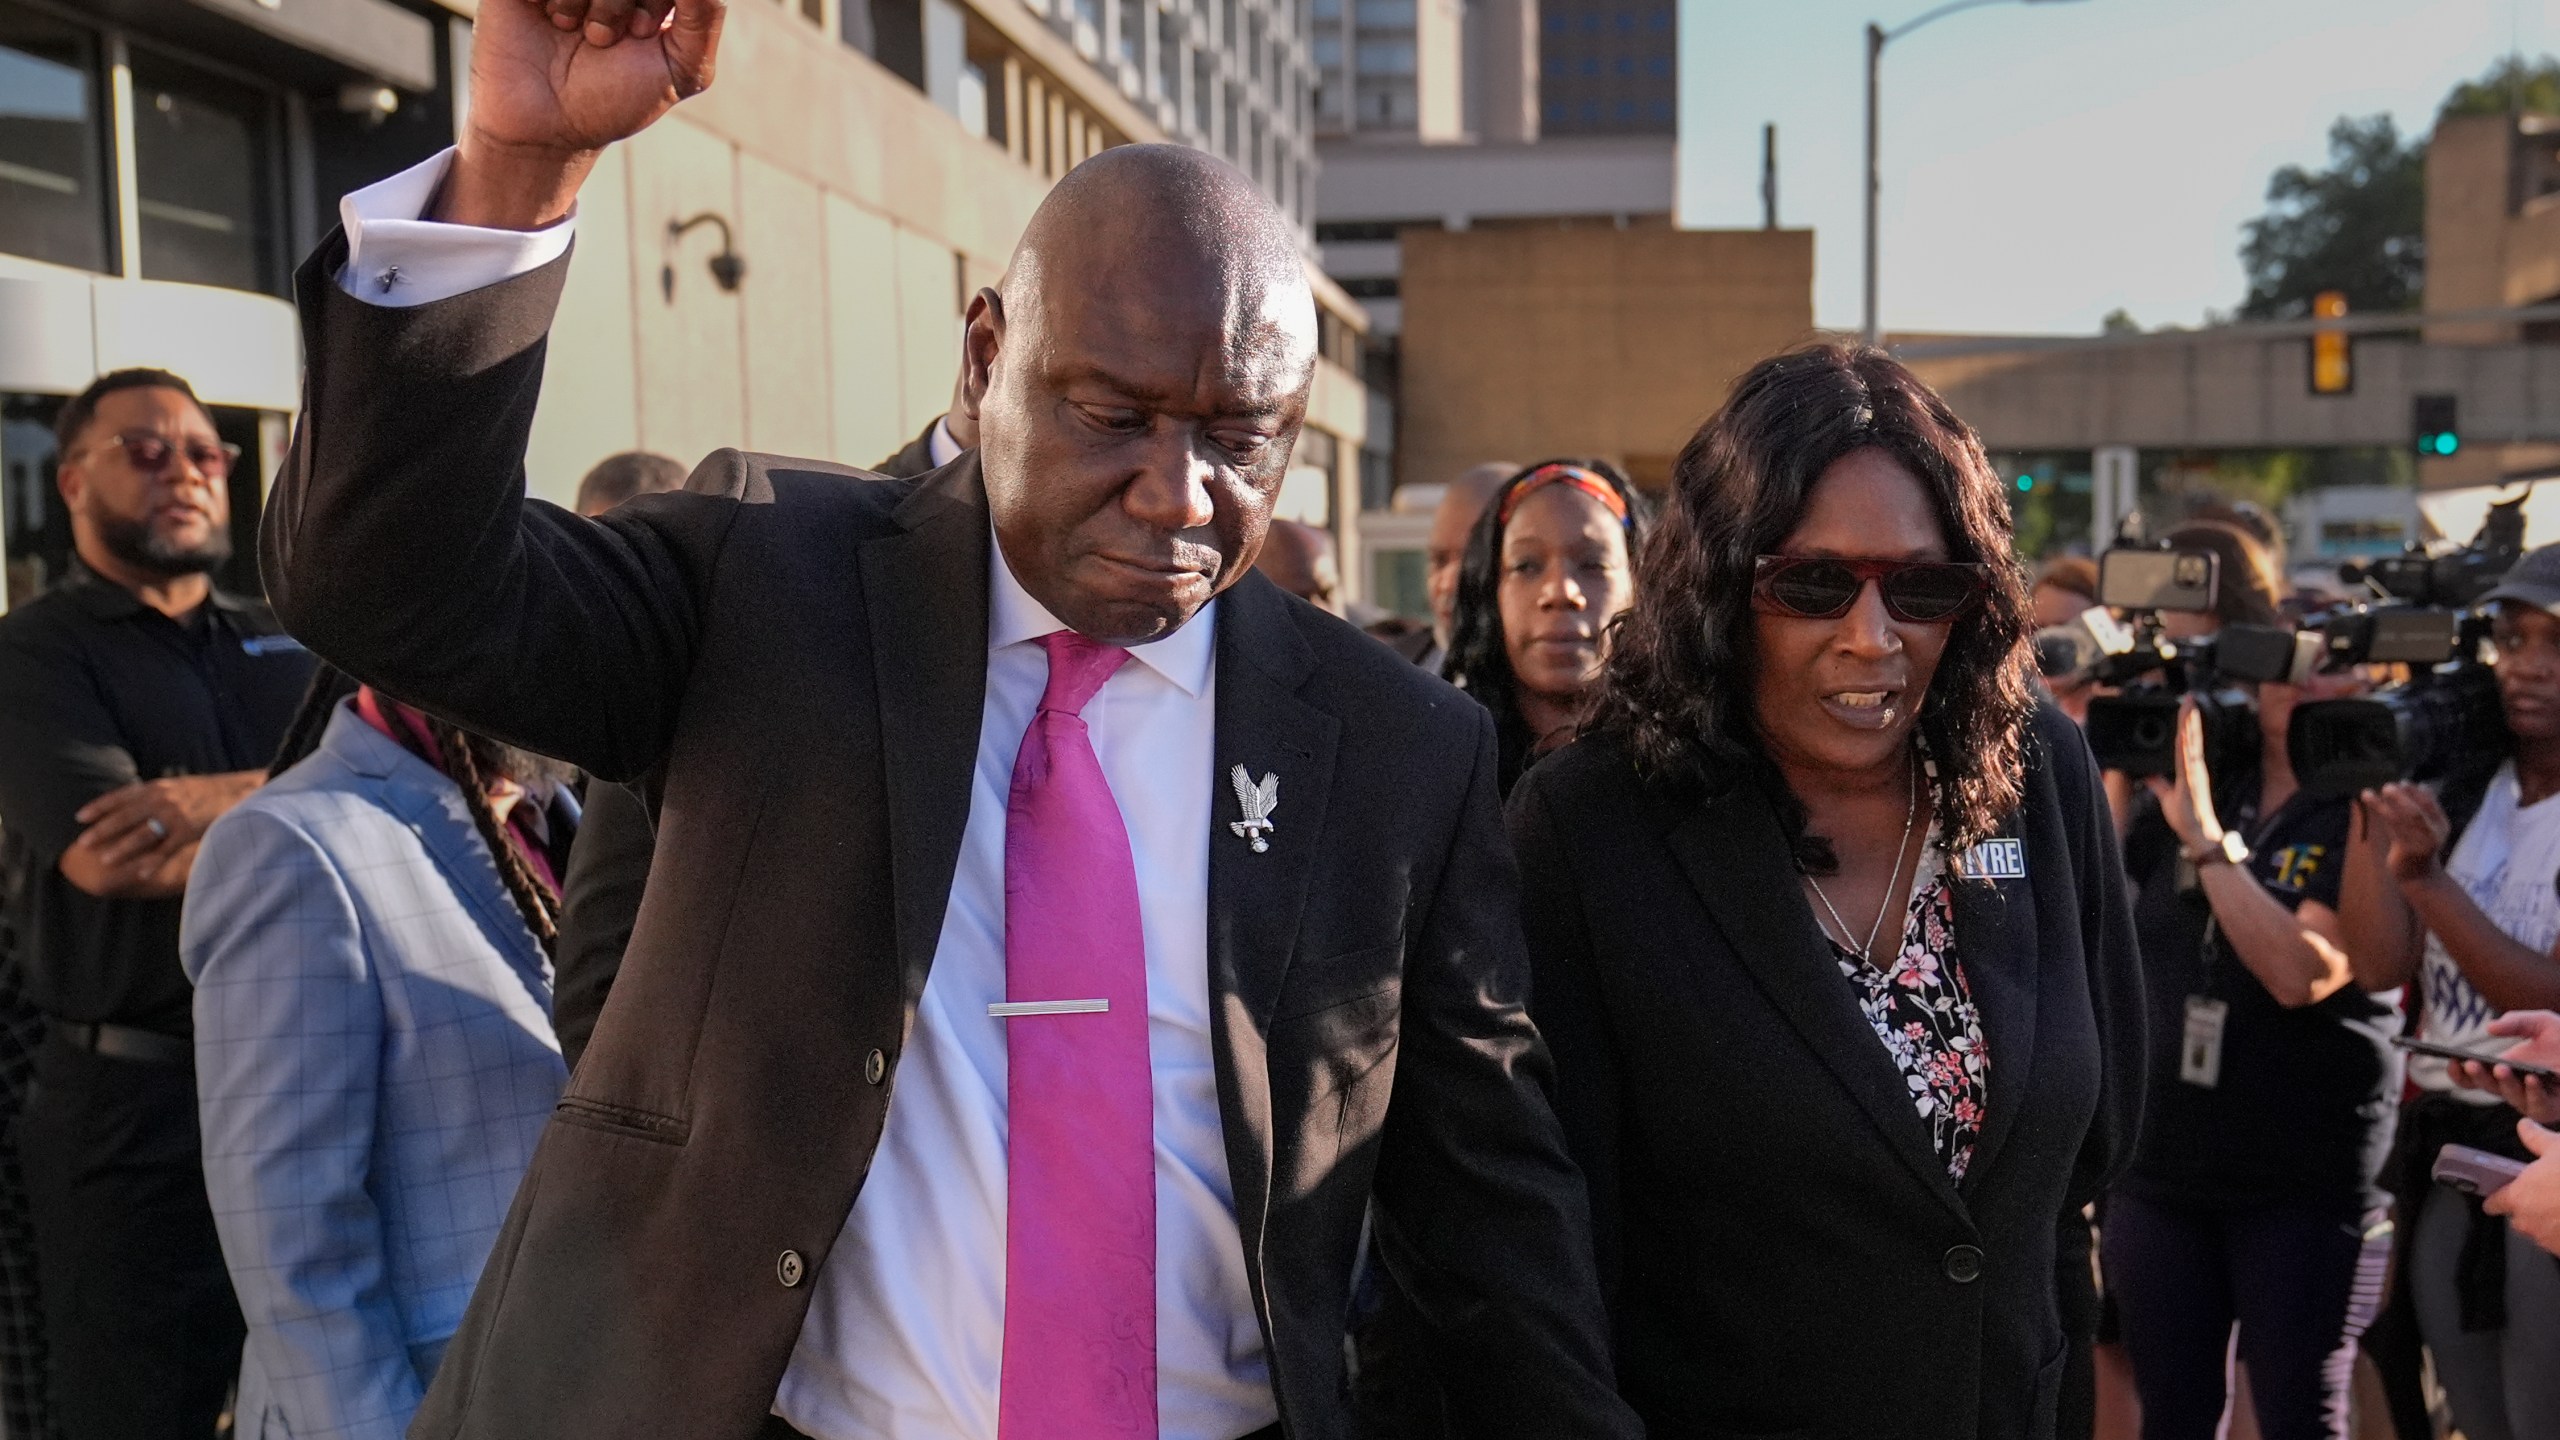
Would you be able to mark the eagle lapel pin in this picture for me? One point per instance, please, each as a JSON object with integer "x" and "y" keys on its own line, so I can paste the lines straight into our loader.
{"x": 1258, "y": 801}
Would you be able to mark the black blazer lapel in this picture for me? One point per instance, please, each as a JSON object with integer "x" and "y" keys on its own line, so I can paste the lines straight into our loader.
{"x": 1997, "y": 946}
{"x": 925, "y": 593}
{"x": 1735, "y": 856}
{"x": 1256, "y": 897}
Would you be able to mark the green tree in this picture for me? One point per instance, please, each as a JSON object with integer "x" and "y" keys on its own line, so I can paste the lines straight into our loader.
{"x": 2512, "y": 86}
{"x": 2358, "y": 226}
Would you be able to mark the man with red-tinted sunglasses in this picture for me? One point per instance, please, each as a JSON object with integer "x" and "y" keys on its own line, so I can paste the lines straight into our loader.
{"x": 138, "y": 701}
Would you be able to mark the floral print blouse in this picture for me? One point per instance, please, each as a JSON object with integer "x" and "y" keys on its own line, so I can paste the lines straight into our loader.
{"x": 1923, "y": 1011}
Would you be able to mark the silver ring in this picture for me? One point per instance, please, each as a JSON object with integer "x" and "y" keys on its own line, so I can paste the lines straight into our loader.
{"x": 158, "y": 830}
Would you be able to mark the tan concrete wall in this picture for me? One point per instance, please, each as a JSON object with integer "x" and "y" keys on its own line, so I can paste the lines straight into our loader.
{"x": 1617, "y": 343}
{"x": 2467, "y": 223}
{"x": 1439, "y": 79}
{"x": 858, "y": 207}
{"x": 2220, "y": 390}
{"x": 866, "y": 218}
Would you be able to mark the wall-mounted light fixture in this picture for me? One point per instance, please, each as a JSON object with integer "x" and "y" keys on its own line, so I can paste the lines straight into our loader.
{"x": 727, "y": 268}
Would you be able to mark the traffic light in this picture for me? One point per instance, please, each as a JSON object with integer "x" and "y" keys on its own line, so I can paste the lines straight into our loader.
{"x": 2436, "y": 425}
{"x": 2333, "y": 355}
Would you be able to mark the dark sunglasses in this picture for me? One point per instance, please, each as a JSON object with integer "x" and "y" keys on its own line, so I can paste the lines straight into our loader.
{"x": 152, "y": 454}
{"x": 1823, "y": 587}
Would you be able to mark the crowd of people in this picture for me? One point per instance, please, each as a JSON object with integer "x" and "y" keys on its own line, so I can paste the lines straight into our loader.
{"x": 981, "y": 949}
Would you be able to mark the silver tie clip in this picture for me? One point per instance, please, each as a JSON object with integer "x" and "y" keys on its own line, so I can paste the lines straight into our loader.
{"x": 1008, "y": 1009}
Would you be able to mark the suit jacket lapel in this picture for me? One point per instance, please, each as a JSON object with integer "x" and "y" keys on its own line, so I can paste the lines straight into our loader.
{"x": 432, "y": 806}
{"x": 1255, "y": 898}
{"x": 924, "y": 590}
{"x": 1735, "y": 856}
{"x": 1996, "y": 944}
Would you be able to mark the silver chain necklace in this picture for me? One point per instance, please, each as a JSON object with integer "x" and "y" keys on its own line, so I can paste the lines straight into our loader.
{"x": 1893, "y": 882}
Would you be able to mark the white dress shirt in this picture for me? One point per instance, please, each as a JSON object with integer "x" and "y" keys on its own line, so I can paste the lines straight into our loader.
{"x": 904, "y": 1338}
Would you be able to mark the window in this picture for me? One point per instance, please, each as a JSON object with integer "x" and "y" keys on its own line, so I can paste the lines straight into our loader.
{"x": 1201, "y": 92}
{"x": 1328, "y": 49}
{"x": 1133, "y": 34}
{"x": 54, "y": 201}
{"x": 202, "y": 149}
{"x": 1387, "y": 14}
{"x": 1399, "y": 580}
{"x": 1169, "y": 56}
{"x": 1378, "y": 492}
{"x": 1232, "y": 137}
{"x": 1386, "y": 57}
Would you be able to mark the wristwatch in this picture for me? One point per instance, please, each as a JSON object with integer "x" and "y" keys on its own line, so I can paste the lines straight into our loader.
{"x": 2231, "y": 850}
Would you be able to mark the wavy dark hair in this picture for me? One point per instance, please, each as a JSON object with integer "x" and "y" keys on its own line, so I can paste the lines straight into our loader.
{"x": 1679, "y": 688}
{"x": 1479, "y": 661}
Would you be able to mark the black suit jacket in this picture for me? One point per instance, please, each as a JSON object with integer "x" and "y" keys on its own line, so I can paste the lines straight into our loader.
{"x": 1782, "y": 1250}
{"x": 609, "y": 869}
{"x": 797, "y": 666}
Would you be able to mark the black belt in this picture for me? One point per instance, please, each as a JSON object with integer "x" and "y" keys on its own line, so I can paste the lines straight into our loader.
{"x": 125, "y": 1042}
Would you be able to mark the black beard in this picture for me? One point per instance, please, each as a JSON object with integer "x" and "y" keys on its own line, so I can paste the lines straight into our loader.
{"x": 136, "y": 544}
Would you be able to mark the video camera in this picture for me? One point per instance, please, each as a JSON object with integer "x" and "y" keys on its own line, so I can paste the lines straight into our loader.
{"x": 2419, "y": 616}
{"x": 2448, "y": 711}
{"x": 2136, "y": 730}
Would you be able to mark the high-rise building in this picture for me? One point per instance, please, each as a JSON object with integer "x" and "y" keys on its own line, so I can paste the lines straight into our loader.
{"x": 1608, "y": 67}
{"x": 1230, "y": 76}
{"x": 1392, "y": 67}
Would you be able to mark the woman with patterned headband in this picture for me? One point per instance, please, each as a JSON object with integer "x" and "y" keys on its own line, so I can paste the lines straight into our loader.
{"x": 1548, "y": 566}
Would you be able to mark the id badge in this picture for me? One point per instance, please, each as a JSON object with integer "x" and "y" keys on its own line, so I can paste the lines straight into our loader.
{"x": 2200, "y": 1058}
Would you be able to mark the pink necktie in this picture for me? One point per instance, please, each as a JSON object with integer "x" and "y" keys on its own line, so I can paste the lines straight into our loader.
{"x": 1080, "y": 1216}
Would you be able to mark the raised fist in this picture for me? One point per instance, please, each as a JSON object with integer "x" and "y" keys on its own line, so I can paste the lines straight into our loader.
{"x": 555, "y": 81}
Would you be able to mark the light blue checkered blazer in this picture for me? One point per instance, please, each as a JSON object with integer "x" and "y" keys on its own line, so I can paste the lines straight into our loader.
{"x": 375, "y": 1060}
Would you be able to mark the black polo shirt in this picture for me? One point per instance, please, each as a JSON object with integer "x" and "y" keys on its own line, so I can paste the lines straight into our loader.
{"x": 2303, "y": 1112}
{"x": 97, "y": 691}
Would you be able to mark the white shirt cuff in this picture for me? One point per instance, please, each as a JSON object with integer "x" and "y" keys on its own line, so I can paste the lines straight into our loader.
{"x": 395, "y": 259}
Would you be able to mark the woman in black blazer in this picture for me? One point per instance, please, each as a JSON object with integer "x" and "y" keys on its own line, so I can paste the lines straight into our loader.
{"x": 1837, "y": 1165}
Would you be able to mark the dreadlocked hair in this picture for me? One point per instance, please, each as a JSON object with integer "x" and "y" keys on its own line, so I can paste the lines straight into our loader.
{"x": 329, "y": 687}
{"x": 471, "y": 761}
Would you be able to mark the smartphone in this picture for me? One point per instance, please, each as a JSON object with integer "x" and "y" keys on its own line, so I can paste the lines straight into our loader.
{"x": 2475, "y": 1172}
{"x": 2130, "y": 579}
{"x": 2543, "y": 1073}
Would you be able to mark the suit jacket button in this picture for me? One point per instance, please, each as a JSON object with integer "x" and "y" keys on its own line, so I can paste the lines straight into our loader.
{"x": 789, "y": 1269}
{"x": 1964, "y": 1264}
{"x": 875, "y": 1067}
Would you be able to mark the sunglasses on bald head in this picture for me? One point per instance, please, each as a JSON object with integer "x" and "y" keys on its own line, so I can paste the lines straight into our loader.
{"x": 1823, "y": 587}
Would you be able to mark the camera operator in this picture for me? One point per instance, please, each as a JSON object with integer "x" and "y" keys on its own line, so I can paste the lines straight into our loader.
{"x": 2253, "y": 1196}
{"x": 2476, "y": 926}
{"x": 2064, "y": 588}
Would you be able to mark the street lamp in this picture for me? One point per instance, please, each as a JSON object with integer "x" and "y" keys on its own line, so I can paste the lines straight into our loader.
{"x": 1877, "y": 35}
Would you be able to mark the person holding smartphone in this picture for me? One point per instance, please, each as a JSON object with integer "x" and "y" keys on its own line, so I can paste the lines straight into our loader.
{"x": 2527, "y": 1077}
{"x": 2253, "y": 1199}
{"x": 2456, "y": 891}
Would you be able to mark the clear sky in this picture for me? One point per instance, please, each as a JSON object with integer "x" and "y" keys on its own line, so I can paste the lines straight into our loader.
{"x": 2047, "y": 163}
